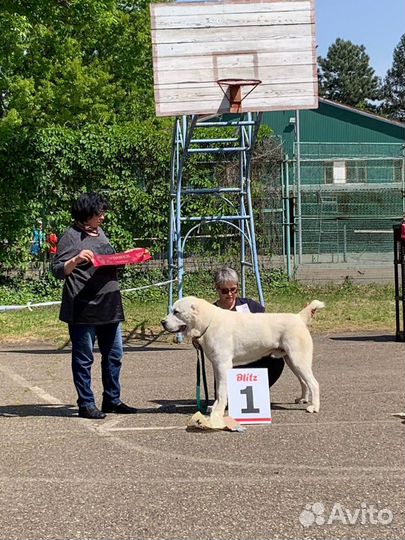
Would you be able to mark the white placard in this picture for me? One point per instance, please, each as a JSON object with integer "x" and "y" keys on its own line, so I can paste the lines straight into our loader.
{"x": 249, "y": 396}
{"x": 243, "y": 308}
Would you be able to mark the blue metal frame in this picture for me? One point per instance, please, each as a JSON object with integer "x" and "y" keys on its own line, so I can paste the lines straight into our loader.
{"x": 183, "y": 145}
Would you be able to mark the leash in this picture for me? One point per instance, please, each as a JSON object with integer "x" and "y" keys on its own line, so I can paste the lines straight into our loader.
{"x": 202, "y": 408}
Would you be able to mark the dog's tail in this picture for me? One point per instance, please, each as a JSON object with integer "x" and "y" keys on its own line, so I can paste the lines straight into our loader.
{"x": 308, "y": 313}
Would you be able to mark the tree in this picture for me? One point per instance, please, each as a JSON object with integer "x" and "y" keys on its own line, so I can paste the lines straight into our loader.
{"x": 393, "y": 90}
{"x": 74, "y": 62}
{"x": 345, "y": 75}
{"x": 76, "y": 113}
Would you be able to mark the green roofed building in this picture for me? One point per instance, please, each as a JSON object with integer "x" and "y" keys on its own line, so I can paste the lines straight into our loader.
{"x": 343, "y": 171}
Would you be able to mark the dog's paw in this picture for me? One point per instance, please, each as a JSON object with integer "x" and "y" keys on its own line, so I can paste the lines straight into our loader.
{"x": 311, "y": 409}
{"x": 301, "y": 400}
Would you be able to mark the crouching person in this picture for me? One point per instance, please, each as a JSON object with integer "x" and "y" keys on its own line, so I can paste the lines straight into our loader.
{"x": 226, "y": 281}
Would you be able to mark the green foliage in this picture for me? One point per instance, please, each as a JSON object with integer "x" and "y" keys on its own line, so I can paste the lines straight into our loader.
{"x": 76, "y": 114}
{"x": 393, "y": 90}
{"x": 71, "y": 63}
{"x": 19, "y": 290}
{"x": 345, "y": 75}
{"x": 44, "y": 171}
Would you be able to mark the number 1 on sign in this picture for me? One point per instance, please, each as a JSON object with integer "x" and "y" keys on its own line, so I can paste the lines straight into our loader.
{"x": 250, "y": 408}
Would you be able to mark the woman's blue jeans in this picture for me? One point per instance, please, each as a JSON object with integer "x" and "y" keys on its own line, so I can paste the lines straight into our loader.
{"x": 109, "y": 340}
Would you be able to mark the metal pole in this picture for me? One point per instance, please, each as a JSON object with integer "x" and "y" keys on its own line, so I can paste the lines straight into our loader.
{"x": 344, "y": 243}
{"x": 253, "y": 248}
{"x": 337, "y": 241}
{"x": 248, "y": 158}
{"x": 402, "y": 262}
{"x": 242, "y": 208}
{"x": 283, "y": 215}
{"x": 403, "y": 179}
{"x": 396, "y": 283}
{"x": 186, "y": 132}
{"x": 172, "y": 234}
{"x": 299, "y": 215}
{"x": 180, "y": 260}
{"x": 288, "y": 218}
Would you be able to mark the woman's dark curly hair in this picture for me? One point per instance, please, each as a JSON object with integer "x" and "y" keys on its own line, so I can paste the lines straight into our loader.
{"x": 89, "y": 205}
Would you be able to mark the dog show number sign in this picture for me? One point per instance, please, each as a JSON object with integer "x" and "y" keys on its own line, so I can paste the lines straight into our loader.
{"x": 248, "y": 396}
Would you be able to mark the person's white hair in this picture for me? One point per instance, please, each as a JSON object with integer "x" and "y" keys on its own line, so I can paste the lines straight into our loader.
{"x": 225, "y": 275}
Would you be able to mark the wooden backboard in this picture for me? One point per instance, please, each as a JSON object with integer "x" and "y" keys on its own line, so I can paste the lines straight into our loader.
{"x": 195, "y": 44}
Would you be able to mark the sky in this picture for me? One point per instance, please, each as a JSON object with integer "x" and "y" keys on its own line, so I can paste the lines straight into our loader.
{"x": 376, "y": 24}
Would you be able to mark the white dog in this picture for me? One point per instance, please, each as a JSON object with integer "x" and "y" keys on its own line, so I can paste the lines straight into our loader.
{"x": 229, "y": 337}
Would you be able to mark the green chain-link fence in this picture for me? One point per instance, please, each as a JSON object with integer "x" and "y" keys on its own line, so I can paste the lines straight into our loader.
{"x": 343, "y": 199}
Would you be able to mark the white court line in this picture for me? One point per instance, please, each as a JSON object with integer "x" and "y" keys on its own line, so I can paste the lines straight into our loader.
{"x": 333, "y": 423}
{"x": 106, "y": 427}
{"x": 144, "y": 428}
{"x": 40, "y": 392}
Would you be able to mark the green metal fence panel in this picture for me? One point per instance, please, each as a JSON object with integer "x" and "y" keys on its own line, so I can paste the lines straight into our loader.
{"x": 351, "y": 194}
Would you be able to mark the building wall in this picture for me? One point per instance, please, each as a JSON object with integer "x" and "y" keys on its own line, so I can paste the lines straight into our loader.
{"x": 331, "y": 123}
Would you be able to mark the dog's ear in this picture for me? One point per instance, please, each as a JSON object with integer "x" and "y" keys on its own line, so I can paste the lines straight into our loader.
{"x": 194, "y": 308}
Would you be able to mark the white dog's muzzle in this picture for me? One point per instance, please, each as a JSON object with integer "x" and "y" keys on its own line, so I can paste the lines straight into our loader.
{"x": 172, "y": 324}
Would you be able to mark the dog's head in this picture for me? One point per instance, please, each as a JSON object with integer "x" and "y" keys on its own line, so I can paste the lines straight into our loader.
{"x": 183, "y": 315}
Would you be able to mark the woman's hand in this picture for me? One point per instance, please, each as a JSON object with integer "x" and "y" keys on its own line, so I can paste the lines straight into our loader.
{"x": 86, "y": 255}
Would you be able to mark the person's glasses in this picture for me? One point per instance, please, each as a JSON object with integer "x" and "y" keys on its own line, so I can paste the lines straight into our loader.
{"x": 231, "y": 290}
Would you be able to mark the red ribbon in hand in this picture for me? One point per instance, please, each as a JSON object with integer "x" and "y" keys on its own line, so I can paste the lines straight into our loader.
{"x": 133, "y": 256}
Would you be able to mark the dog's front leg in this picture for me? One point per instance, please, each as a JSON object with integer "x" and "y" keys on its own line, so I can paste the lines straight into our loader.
{"x": 221, "y": 367}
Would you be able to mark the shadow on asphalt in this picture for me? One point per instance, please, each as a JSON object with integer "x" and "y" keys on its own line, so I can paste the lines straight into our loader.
{"x": 147, "y": 348}
{"x": 175, "y": 406}
{"x": 38, "y": 410}
{"x": 36, "y": 351}
{"x": 166, "y": 406}
{"x": 43, "y": 409}
{"x": 127, "y": 348}
{"x": 189, "y": 406}
{"x": 378, "y": 339}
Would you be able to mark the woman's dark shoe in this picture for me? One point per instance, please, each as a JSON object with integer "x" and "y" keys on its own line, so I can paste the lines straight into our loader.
{"x": 91, "y": 412}
{"x": 118, "y": 408}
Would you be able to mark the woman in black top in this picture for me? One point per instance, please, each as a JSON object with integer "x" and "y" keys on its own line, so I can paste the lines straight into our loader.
{"x": 226, "y": 284}
{"x": 91, "y": 306}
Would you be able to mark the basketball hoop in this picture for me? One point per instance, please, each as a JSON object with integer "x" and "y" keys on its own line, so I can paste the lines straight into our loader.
{"x": 234, "y": 96}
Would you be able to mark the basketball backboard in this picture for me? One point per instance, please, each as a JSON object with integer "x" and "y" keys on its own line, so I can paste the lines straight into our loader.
{"x": 197, "y": 44}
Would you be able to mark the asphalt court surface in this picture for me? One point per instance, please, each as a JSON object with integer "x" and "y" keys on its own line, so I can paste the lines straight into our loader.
{"x": 145, "y": 477}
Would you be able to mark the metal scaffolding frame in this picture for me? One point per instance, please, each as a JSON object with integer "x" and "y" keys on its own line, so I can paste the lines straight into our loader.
{"x": 184, "y": 144}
